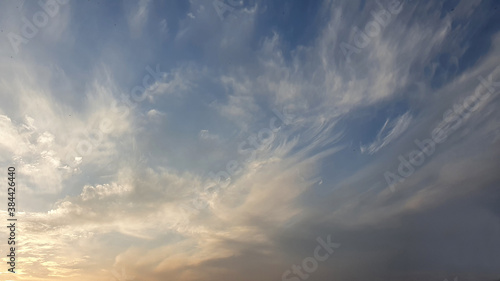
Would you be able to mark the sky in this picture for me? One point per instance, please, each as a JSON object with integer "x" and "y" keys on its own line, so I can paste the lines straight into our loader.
{"x": 251, "y": 140}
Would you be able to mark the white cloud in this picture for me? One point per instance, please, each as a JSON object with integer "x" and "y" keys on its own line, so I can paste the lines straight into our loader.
{"x": 388, "y": 133}
{"x": 141, "y": 216}
{"x": 206, "y": 135}
{"x": 155, "y": 115}
{"x": 138, "y": 17}
{"x": 164, "y": 26}
{"x": 104, "y": 190}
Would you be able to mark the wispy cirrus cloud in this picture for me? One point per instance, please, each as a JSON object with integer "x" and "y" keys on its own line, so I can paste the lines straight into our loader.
{"x": 138, "y": 16}
{"x": 222, "y": 84}
{"x": 390, "y": 131}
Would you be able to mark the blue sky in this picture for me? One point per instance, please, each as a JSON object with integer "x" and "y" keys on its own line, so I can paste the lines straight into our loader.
{"x": 167, "y": 140}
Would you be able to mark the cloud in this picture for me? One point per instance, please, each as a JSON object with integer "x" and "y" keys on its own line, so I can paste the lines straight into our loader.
{"x": 226, "y": 86}
{"x": 206, "y": 135}
{"x": 163, "y": 25}
{"x": 388, "y": 133}
{"x": 138, "y": 17}
{"x": 155, "y": 115}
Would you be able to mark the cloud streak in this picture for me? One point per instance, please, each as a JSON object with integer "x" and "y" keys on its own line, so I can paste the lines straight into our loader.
{"x": 389, "y": 132}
